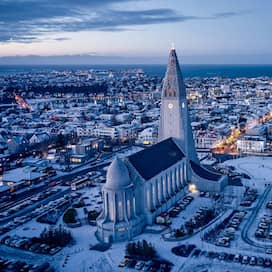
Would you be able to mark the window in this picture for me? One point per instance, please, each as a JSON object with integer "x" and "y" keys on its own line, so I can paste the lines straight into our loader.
{"x": 153, "y": 194}
{"x": 128, "y": 209}
{"x": 120, "y": 211}
{"x": 111, "y": 208}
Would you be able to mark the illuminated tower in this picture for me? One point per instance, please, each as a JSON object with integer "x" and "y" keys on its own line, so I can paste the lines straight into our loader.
{"x": 175, "y": 120}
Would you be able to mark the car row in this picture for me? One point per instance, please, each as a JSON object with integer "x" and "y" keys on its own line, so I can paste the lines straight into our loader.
{"x": 264, "y": 227}
{"x": 214, "y": 196}
{"x": 45, "y": 209}
{"x": 29, "y": 244}
{"x": 181, "y": 205}
{"x": 250, "y": 196}
{"x": 269, "y": 205}
{"x": 236, "y": 258}
{"x": 17, "y": 221}
{"x": 21, "y": 266}
{"x": 30, "y": 201}
{"x": 228, "y": 234}
{"x": 201, "y": 217}
{"x": 223, "y": 233}
{"x": 164, "y": 219}
{"x": 145, "y": 265}
{"x": 52, "y": 216}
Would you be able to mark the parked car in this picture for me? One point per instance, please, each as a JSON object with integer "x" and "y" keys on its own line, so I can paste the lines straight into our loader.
{"x": 237, "y": 258}
{"x": 139, "y": 265}
{"x": 253, "y": 260}
{"x": 245, "y": 260}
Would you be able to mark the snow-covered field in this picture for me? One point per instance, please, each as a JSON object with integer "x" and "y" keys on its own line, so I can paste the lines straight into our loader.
{"x": 258, "y": 168}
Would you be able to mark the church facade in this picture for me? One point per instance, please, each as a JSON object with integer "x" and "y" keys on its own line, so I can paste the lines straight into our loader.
{"x": 147, "y": 183}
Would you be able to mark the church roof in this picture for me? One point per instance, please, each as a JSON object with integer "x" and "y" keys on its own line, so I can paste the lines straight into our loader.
{"x": 117, "y": 175}
{"x": 204, "y": 173}
{"x": 153, "y": 160}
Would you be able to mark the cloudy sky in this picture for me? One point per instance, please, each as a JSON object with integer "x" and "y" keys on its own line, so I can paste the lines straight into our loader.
{"x": 136, "y": 31}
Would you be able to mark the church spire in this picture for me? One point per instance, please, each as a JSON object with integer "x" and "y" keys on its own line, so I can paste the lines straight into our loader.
{"x": 173, "y": 82}
{"x": 175, "y": 120}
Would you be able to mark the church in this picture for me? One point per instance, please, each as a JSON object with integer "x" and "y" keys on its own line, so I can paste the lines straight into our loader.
{"x": 140, "y": 187}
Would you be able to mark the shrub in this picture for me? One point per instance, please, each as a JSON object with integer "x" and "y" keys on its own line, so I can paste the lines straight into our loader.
{"x": 141, "y": 248}
{"x": 69, "y": 216}
{"x": 58, "y": 236}
{"x": 92, "y": 215}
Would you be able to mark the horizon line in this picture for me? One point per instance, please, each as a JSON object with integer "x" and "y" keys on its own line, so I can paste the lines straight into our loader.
{"x": 136, "y": 64}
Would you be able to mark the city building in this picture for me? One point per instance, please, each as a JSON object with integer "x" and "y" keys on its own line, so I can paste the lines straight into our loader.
{"x": 206, "y": 139}
{"x": 251, "y": 144}
{"x": 147, "y": 136}
{"x": 142, "y": 186}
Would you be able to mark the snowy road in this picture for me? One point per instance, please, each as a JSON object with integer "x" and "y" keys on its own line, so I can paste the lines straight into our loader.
{"x": 253, "y": 216}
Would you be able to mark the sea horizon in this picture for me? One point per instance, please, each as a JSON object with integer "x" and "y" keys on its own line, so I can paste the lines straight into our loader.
{"x": 188, "y": 70}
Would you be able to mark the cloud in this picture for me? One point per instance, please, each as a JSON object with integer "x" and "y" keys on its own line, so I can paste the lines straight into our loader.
{"x": 228, "y": 14}
{"x": 60, "y": 39}
{"x": 27, "y": 20}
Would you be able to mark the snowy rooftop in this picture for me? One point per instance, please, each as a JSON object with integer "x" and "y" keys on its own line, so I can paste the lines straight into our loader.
{"x": 21, "y": 174}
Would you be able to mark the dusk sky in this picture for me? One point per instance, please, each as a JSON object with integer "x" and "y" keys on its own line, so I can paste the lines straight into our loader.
{"x": 203, "y": 31}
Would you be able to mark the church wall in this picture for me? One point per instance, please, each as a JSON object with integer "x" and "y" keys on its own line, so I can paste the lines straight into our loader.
{"x": 170, "y": 121}
{"x": 163, "y": 191}
{"x": 124, "y": 221}
{"x": 206, "y": 185}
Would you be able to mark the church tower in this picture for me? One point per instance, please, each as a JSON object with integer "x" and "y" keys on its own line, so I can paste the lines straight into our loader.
{"x": 175, "y": 120}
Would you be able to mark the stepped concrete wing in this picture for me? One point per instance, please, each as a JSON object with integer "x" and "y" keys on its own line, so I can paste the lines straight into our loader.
{"x": 205, "y": 173}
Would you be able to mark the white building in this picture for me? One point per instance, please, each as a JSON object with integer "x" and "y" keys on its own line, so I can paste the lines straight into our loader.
{"x": 206, "y": 140}
{"x": 126, "y": 131}
{"x": 251, "y": 144}
{"x": 147, "y": 136}
{"x": 148, "y": 183}
{"x": 104, "y": 131}
{"x": 85, "y": 131}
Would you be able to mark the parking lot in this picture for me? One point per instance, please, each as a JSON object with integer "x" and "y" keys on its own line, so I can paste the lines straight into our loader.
{"x": 21, "y": 266}
{"x": 145, "y": 265}
{"x": 232, "y": 261}
{"x": 26, "y": 243}
{"x": 264, "y": 228}
{"x": 190, "y": 220}
{"x": 249, "y": 197}
{"x": 223, "y": 233}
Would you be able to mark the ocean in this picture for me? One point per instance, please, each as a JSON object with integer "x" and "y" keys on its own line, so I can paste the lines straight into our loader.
{"x": 203, "y": 70}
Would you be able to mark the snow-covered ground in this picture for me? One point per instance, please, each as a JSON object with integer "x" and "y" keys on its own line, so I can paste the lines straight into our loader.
{"x": 260, "y": 171}
{"x": 79, "y": 257}
{"x": 258, "y": 168}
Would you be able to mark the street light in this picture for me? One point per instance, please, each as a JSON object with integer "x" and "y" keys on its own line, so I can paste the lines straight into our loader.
{"x": 193, "y": 188}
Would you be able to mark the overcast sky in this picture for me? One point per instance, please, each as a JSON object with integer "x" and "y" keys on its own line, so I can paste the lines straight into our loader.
{"x": 203, "y": 31}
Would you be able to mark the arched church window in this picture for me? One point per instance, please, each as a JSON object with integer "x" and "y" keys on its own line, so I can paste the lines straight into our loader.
{"x": 120, "y": 211}
{"x": 111, "y": 208}
{"x": 153, "y": 194}
{"x": 128, "y": 209}
{"x": 134, "y": 205}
